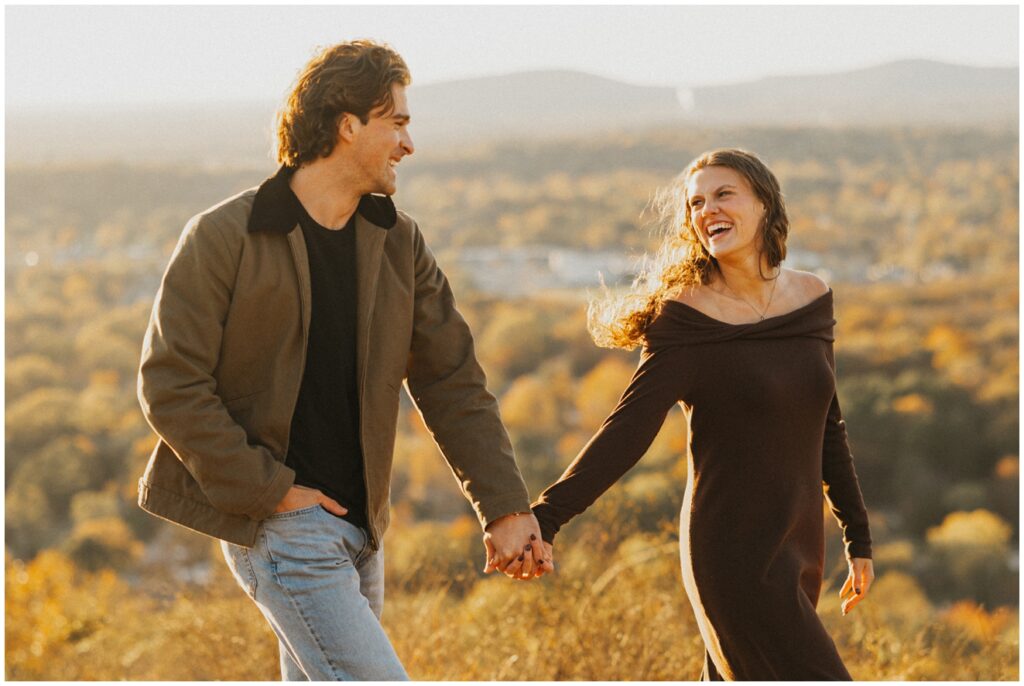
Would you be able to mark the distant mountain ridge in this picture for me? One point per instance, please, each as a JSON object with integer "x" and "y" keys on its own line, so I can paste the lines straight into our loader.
{"x": 896, "y": 93}
{"x": 537, "y": 102}
{"x": 541, "y": 104}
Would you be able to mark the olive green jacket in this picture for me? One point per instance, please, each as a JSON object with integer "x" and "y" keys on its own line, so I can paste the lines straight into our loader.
{"x": 224, "y": 354}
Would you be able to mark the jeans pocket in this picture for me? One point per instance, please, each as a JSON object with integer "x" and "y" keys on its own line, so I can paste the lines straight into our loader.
{"x": 306, "y": 540}
{"x": 302, "y": 511}
{"x": 241, "y": 567}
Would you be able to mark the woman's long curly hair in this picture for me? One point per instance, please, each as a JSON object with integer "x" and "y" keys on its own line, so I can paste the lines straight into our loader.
{"x": 682, "y": 260}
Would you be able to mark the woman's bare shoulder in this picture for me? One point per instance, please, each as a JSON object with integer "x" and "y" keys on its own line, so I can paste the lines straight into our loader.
{"x": 809, "y": 286}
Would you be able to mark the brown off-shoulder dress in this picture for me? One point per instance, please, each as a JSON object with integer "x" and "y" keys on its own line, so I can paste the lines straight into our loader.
{"x": 767, "y": 443}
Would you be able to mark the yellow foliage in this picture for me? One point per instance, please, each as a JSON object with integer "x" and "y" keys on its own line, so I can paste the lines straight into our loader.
{"x": 899, "y": 590}
{"x": 913, "y": 403}
{"x": 40, "y": 413}
{"x": 49, "y": 604}
{"x": 653, "y": 488}
{"x": 143, "y": 446}
{"x": 529, "y": 406}
{"x": 600, "y": 389}
{"x": 894, "y": 553}
{"x": 99, "y": 407}
{"x": 76, "y": 286}
{"x": 570, "y": 443}
{"x": 976, "y": 622}
{"x": 670, "y": 443}
{"x": 947, "y": 344}
{"x": 29, "y": 372}
{"x": 104, "y": 377}
{"x": 977, "y": 528}
{"x": 109, "y": 531}
{"x": 1008, "y": 467}
{"x": 96, "y": 505}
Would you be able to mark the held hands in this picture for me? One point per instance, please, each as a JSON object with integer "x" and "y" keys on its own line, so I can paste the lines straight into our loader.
{"x": 299, "y": 497}
{"x": 514, "y": 547}
{"x": 519, "y": 568}
{"x": 862, "y": 573}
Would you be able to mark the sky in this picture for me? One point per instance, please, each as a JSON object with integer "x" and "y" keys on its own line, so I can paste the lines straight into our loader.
{"x": 122, "y": 55}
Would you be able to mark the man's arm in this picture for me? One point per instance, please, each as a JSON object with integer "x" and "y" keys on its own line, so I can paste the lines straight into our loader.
{"x": 449, "y": 388}
{"x": 176, "y": 386}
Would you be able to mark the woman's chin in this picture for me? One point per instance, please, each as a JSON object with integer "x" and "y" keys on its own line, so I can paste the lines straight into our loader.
{"x": 720, "y": 253}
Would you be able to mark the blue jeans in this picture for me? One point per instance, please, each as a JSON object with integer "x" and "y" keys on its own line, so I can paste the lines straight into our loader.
{"x": 321, "y": 587}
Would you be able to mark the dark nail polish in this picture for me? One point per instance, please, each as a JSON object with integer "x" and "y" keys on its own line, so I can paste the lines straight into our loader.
{"x": 521, "y": 558}
{"x": 857, "y": 591}
{"x": 529, "y": 547}
{"x": 533, "y": 537}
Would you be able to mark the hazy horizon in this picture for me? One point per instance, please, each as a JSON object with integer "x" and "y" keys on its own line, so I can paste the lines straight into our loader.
{"x": 99, "y": 107}
{"x": 191, "y": 54}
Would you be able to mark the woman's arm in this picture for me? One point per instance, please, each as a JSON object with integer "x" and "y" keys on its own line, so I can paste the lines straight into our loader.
{"x": 842, "y": 489}
{"x": 618, "y": 445}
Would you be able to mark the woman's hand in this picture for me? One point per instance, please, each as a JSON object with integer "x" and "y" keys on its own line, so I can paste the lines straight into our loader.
{"x": 548, "y": 565}
{"x": 537, "y": 561}
{"x": 862, "y": 574}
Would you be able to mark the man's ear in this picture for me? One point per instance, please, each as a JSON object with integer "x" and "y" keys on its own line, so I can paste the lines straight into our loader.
{"x": 348, "y": 127}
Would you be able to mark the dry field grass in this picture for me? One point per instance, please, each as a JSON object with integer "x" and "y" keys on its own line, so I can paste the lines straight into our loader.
{"x": 624, "y": 619}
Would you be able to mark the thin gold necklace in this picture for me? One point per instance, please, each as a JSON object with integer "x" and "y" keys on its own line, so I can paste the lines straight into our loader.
{"x": 760, "y": 314}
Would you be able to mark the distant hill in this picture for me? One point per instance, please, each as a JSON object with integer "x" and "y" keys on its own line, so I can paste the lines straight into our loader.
{"x": 541, "y": 104}
{"x": 905, "y": 92}
{"x": 538, "y": 103}
{"x": 557, "y": 102}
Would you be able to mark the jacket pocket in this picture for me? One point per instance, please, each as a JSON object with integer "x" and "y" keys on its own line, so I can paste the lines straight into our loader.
{"x": 246, "y": 411}
{"x": 240, "y": 399}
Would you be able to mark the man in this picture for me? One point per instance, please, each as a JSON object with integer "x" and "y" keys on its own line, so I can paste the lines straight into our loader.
{"x": 287, "y": 320}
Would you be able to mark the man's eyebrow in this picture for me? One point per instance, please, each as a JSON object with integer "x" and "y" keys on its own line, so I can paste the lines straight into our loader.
{"x": 399, "y": 116}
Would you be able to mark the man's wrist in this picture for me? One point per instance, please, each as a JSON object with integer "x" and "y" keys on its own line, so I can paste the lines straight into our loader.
{"x": 510, "y": 515}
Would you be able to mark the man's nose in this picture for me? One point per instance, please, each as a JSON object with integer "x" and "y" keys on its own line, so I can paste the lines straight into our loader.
{"x": 407, "y": 144}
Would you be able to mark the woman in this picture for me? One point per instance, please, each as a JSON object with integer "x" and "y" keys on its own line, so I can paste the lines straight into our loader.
{"x": 746, "y": 347}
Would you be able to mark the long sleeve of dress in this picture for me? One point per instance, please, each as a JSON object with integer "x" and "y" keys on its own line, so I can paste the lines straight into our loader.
{"x": 618, "y": 445}
{"x": 842, "y": 488}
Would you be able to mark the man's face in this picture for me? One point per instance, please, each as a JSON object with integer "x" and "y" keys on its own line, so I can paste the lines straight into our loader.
{"x": 381, "y": 143}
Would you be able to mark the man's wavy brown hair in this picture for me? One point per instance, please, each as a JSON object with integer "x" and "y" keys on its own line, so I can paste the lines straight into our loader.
{"x": 682, "y": 260}
{"x": 354, "y": 77}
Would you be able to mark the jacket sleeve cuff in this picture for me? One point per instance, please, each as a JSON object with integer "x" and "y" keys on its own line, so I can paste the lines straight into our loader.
{"x": 493, "y": 508}
{"x": 273, "y": 494}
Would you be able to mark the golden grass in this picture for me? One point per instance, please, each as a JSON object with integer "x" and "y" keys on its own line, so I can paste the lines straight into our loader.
{"x": 624, "y": 619}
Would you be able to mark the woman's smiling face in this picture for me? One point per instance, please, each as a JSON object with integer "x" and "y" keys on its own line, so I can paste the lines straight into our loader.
{"x": 724, "y": 211}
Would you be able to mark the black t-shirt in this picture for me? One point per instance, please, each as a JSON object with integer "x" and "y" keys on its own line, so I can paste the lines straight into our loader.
{"x": 324, "y": 448}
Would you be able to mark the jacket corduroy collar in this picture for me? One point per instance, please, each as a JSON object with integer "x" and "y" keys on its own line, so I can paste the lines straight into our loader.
{"x": 274, "y": 208}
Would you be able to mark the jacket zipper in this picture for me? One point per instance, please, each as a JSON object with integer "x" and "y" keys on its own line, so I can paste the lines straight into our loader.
{"x": 305, "y": 345}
